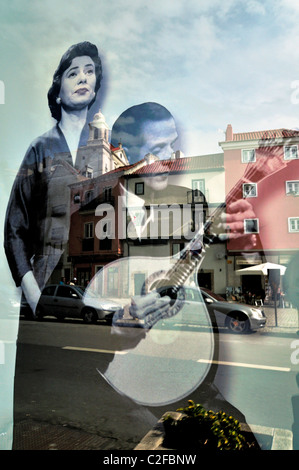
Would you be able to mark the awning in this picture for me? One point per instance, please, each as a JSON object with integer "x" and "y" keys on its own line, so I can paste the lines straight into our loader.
{"x": 262, "y": 269}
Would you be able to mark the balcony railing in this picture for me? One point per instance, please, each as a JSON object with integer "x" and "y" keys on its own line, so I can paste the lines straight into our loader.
{"x": 94, "y": 203}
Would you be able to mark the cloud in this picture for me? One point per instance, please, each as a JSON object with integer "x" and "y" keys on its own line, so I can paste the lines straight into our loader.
{"x": 255, "y": 7}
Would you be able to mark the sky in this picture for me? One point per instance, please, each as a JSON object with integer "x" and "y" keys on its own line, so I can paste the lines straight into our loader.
{"x": 209, "y": 62}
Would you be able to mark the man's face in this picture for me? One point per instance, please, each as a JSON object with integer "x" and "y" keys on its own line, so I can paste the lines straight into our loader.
{"x": 78, "y": 83}
{"x": 159, "y": 138}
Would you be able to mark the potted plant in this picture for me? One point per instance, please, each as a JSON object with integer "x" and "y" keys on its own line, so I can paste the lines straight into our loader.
{"x": 198, "y": 428}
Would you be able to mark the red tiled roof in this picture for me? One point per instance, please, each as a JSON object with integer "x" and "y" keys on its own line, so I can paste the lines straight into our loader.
{"x": 204, "y": 162}
{"x": 269, "y": 134}
{"x": 122, "y": 168}
{"x": 114, "y": 148}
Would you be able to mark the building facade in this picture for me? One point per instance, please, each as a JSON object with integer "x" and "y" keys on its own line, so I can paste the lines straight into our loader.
{"x": 263, "y": 168}
{"x": 152, "y": 209}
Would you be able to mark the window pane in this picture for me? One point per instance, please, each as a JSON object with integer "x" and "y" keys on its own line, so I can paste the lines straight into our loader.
{"x": 249, "y": 190}
{"x": 49, "y": 290}
{"x": 88, "y": 230}
{"x": 199, "y": 184}
{"x": 248, "y": 156}
{"x": 251, "y": 226}
{"x": 139, "y": 188}
{"x": 291, "y": 152}
{"x": 294, "y": 224}
{"x": 293, "y": 187}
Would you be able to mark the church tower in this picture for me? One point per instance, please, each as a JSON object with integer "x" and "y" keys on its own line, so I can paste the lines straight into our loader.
{"x": 98, "y": 142}
{"x": 95, "y": 159}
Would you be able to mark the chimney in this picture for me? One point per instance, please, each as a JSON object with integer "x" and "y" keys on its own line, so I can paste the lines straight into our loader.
{"x": 179, "y": 154}
{"x": 229, "y": 133}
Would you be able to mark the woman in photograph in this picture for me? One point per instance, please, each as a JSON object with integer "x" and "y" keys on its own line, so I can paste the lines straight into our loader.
{"x": 37, "y": 218}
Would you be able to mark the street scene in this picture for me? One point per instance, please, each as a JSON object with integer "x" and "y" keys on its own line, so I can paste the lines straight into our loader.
{"x": 64, "y": 402}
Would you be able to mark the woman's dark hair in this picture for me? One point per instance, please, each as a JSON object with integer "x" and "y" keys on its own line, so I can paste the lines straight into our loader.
{"x": 77, "y": 50}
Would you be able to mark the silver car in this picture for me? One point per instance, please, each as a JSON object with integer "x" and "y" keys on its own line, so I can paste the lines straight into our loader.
{"x": 63, "y": 301}
{"x": 239, "y": 318}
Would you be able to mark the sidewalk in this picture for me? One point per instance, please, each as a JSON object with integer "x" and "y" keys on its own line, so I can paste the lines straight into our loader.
{"x": 287, "y": 319}
{"x": 33, "y": 435}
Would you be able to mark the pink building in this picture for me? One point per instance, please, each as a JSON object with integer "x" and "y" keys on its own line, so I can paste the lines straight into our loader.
{"x": 263, "y": 167}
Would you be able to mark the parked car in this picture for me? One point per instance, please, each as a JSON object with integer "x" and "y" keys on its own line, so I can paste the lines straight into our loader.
{"x": 63, "y": 301}
{"x": 239, "y": 318}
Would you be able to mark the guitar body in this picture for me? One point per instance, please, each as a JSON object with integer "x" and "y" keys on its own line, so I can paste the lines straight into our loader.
{"x": 174, "y": 356}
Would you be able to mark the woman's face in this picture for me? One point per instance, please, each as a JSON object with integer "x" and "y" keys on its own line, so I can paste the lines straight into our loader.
{"x": 78, "y": 84}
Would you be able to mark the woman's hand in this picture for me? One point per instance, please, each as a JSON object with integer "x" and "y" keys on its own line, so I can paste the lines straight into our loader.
{"x": 31, "y": 290}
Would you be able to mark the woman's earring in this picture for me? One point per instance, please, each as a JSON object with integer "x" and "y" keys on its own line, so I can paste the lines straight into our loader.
{"x": 58, "y": 100}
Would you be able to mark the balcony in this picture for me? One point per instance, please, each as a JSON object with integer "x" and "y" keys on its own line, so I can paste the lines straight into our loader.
{"x": 91, "y": 205}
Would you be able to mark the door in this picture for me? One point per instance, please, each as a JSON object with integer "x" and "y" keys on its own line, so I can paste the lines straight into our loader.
{"x": 205, "y": 280}
{"x": 83, "y": 276}
{"x": 139, "y": 279}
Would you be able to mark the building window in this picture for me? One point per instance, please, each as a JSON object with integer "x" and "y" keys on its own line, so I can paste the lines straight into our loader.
{"x": 88, "y": 196}
{"x": 290, "y": 152}
{"x": 249, "y": 190}
{"x": 293, "y": 224}
{"x": 107, "y": 194}
{"x": 88, "y": 172}
{"x": 105, "y": 244}
{"x": 251, "y": 225}
{"x": 139, "y": 188}
{"x": 292, "y": 187}
{"x": 199, "y": 184}
{"x": 88, "y": 230}
{"x": 96, "y": 133}
{"x": 248, "y": 156}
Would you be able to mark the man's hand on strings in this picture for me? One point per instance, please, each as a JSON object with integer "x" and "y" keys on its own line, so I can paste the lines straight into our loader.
{"x": 149, "y": 308}
{"x": 145, "y": 310}
{"x": 232, "y": 223}
{"x": 131, "y": 323}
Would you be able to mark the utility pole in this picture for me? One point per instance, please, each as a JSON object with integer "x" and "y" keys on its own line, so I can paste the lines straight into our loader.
{"x": 274, "y": 281}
